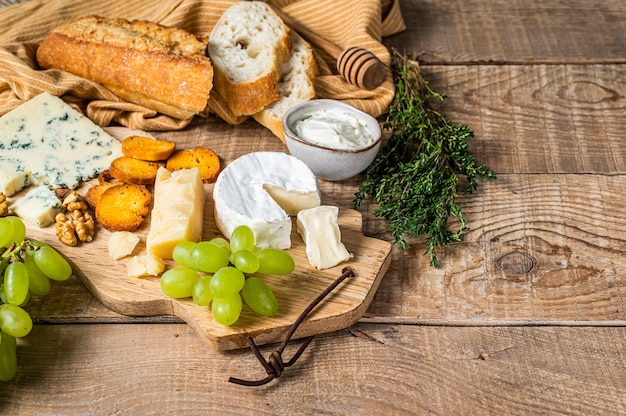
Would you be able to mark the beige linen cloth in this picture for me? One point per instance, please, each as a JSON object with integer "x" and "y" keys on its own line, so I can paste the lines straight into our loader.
{"x": 22, "y": 26}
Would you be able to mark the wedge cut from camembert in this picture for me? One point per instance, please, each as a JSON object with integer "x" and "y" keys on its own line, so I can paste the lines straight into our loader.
{"x": 178, "y": 211}
{"x": 261, "y": 190}
{"x": 46, "y": 142}
{"x": 319, "y": 228}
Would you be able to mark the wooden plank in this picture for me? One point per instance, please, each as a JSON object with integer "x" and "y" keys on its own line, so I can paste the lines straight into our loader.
{"x": 368, "y": 369}
{"x": 512, "y": 32}
{"x": 541, "y": 248}
{"x": 539, "y": 118}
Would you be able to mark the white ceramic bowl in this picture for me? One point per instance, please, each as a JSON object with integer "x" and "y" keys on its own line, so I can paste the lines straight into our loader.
{"x": 326, "y": 162}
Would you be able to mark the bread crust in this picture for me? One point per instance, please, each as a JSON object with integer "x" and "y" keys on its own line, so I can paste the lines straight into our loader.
{"x": 250, "y": 97}
{"x": 161, "y": 68}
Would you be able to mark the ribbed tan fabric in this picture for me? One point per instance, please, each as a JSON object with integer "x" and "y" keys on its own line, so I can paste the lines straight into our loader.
{"x": 23, "y": 26}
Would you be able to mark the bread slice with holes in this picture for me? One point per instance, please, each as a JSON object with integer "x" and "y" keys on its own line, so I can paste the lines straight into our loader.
{"x": 296, "y": 85}
{"x": 248, "y": 47}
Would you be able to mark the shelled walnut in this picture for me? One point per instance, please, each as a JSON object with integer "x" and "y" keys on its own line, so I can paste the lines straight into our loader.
{"x": 65, "y": 230}
{"x": 84, "y": 225}
{"x": 4, "y": 205}
{"x": 76, "y": 224}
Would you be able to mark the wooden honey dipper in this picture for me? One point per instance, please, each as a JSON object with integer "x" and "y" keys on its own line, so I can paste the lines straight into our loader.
{"x": 358, "y": 66}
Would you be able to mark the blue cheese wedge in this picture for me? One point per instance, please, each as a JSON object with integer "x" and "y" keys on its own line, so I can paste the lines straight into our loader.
{"x": 261, "y": 190}
{"x": 46, "y": 142}
{"x": 319, "y": 228}
{"x": 39, "y": 206}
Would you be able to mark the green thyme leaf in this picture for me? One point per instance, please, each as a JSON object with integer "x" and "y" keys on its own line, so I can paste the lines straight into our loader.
{"x": 416, "y": 176}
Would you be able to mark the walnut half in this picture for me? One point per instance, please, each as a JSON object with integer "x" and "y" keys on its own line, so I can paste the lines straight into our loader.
{"x": 4, "y": 205}
{"x": 79, "y": 226}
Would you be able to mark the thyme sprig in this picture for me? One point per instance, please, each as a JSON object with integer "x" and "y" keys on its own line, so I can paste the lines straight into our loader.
{"x": 416, "y": 177}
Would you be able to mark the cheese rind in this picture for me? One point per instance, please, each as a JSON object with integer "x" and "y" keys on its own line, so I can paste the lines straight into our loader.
{"x": 39, "y": 206}
{"x": 320, "y": 231}
{"x": 46, "y": 142}
{"x": 178, "y": 211}
{"x": 250, "y": 191}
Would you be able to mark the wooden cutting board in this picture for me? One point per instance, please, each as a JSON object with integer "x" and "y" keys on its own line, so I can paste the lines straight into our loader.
{"x": 108, "y": 281}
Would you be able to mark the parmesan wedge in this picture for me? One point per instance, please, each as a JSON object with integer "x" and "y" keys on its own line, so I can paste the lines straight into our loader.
{"x": 178, "y": 210}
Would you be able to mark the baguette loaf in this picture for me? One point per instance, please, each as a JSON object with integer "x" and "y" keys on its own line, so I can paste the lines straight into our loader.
{"x": 161, "y": 68}
{"x": 296, "y": 85}
{"x": 247, "y": 47}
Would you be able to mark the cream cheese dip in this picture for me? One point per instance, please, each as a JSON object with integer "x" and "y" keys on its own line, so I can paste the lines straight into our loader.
{"x": 333, "y": 129}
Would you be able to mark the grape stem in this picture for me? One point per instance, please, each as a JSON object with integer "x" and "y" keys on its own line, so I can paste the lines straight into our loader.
{"x": 275, "y": 365}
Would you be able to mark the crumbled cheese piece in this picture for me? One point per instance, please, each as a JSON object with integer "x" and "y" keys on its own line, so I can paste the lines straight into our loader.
{"x": 122, "y": 244}
{"x": 39, "y": 206}
{"x": 145, "y": 265}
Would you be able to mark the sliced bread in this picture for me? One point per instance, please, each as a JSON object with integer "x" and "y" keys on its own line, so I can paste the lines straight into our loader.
{"x": 247, "y": 47}
{"x": 296, "y": 85}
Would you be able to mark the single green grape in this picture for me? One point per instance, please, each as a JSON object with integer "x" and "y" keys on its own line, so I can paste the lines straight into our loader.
{"x": 202, "y": 295}
{"x": 16, "y": 283}
{"x": 227, "y": 281}
{"x": 275, "y": 261}
{"x": 226, "y": 309}
{"x": 38, "y": 282}
{"x": 246, "y": 260}
{"x": 19, "y": 229}
{"x": 8, "y": 357}
{"x": 222, "y": 242}
{"x": 208, "y": 257}
{"x": 3, "y": 298}
{"x": 182, "y": 253}
{"x": 242, "y": 238}
{"x": 15, "y": 321}
{"x": 6, "y": 232}
{"x": 259, "y": 297}
{"x": 4, "y": 337}
{"x": 178, "y": 283}
{"x": 52, "y": 263}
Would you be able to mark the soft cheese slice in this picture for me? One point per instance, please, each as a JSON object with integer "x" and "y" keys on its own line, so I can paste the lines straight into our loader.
{"x": 39, "y": 206}
{"x": 319, "y": 229}
{"x": 47, "y": 142}
{"x": 178, "y": 210}
{"x": 261, "y": 190}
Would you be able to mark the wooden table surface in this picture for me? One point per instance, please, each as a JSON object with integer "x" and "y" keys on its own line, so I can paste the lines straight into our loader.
{"x": 526, "y": 316}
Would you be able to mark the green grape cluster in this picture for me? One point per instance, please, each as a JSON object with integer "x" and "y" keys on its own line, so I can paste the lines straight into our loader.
{"x": 218, "y": 273}
{"x": 26, "y": 268}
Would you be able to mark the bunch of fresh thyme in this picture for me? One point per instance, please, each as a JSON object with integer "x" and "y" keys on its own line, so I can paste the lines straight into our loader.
{"x": 415, "y": 177}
